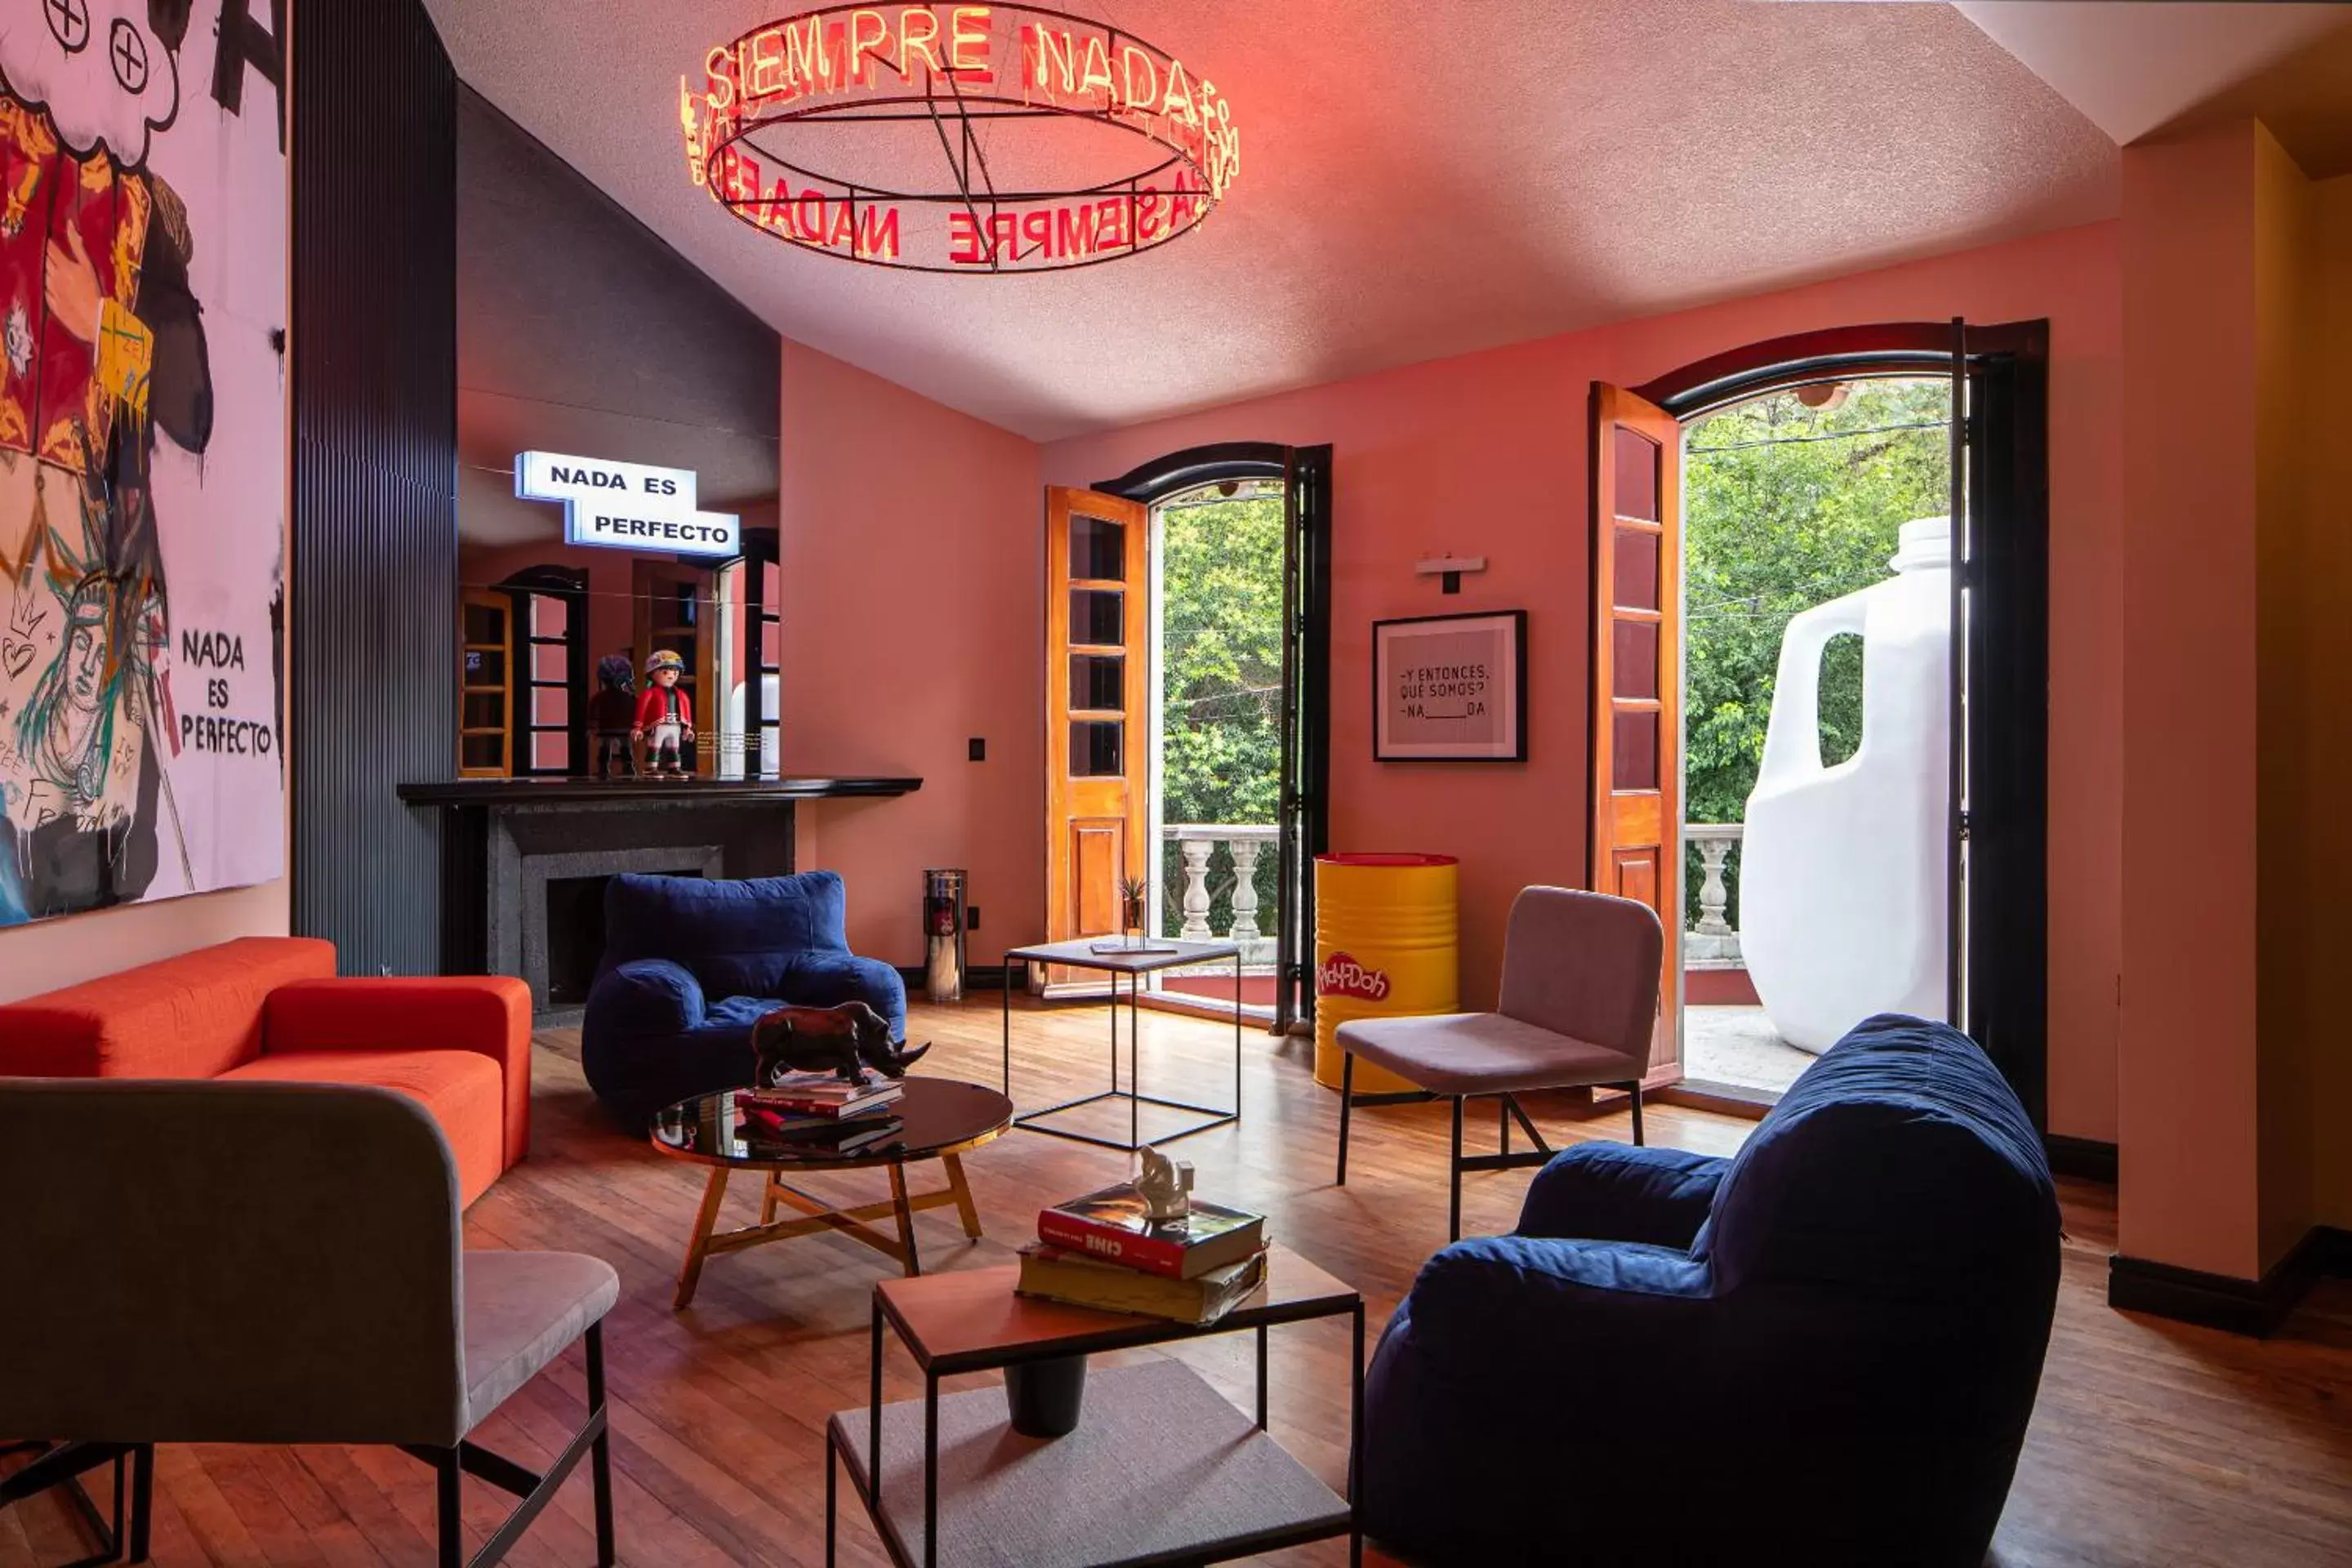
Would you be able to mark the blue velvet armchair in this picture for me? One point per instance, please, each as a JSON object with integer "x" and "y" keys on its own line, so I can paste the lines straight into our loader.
{"x": 691, "y": 963}
{"x": 1825, "y": 1351}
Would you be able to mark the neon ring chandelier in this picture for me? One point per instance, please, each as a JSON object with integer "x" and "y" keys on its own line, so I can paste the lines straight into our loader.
{"x": 829, "y": 129}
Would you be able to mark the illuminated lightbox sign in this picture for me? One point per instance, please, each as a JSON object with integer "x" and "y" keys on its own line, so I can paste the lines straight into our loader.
{"x": 627, "y": 506}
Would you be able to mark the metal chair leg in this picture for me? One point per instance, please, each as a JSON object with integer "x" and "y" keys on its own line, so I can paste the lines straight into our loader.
{"x": 450, "y": 1530}
{"x": 1636, "y": 1088}
{"x": 1453, "y": 1209}
{"x": 600, "y": 1456}
{"x": 142, "y": 1499}
{"x": 1502, "y": 1121}
{"x": 1347, "y": 1104}
{"x": 64, "y": 1464}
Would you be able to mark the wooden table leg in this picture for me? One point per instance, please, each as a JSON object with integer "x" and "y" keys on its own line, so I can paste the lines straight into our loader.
{"x": 962, "y": 1192}
{"x": 905, "y": 1218}
{"x": 690, "y": 1275}
{"x": 768, "y": 1197}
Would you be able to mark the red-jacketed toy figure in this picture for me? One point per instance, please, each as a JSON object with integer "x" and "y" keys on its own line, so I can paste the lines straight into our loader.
{"x": 664, "y": 715}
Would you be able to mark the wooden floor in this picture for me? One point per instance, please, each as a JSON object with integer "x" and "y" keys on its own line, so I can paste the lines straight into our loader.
{"x": 2153, "y": 1444}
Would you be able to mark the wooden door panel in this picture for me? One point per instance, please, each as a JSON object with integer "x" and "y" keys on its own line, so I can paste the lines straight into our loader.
{"x": 1098, "y": 862}
{"x": 1636, "y": 874}
{"x": 1637, "y": 820}
{"x": 1637, "y": 656}
{"x": 1097, "y": 710}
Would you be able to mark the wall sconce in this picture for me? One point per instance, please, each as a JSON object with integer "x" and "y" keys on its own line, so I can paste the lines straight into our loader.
{"x": 1448, "y": 570}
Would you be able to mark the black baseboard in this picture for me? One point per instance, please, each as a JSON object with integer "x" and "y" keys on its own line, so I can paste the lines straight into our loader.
{"x": 2087, "y": 1158}
{"x": 2254, "y": 1307}
{"x": 976, "y": 977}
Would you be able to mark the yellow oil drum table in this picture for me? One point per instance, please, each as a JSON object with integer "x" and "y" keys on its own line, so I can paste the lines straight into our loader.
{"x": 1387, "y": 945}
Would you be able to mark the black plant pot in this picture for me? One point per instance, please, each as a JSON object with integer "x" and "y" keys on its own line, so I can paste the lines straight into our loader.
{"x": 1044, "y": 1396}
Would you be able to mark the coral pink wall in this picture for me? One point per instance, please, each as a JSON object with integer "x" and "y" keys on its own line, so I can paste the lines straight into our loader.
{"x": 913, "y": 594}
{"x": 67, "y": 950}
{"x": 1484, "y": 455}
{"x": 2188, "y": 997}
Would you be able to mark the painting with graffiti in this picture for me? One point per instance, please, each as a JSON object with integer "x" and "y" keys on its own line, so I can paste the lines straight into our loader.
{"x": 142, "y": 450}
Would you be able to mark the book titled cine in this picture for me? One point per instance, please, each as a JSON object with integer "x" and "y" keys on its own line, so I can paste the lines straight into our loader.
{"x": 1113, "y": 1227}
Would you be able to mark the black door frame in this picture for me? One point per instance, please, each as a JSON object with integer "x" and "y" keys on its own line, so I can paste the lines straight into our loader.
{"x": 1305, "y": 788}
{"x": 2006, "y": 570}
{"x": 570, "y": 585}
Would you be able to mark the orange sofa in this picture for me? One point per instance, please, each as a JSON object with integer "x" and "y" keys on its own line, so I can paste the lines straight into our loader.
{"x": 271, "y": 1007}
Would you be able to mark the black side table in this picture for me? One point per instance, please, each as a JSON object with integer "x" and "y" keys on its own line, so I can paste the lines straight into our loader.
{"x": 1134, "y": 965}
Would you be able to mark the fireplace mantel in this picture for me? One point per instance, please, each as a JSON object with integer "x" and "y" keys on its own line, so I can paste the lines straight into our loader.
{"x": 523, "y": 859}
{"x": 507, "y": 792}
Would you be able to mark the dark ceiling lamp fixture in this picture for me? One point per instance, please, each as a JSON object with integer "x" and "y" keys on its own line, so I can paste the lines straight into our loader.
{"x": 946, "y": 73}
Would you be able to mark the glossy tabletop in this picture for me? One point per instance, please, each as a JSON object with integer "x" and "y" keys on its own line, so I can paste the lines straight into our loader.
{"x": 936, "y": 1115}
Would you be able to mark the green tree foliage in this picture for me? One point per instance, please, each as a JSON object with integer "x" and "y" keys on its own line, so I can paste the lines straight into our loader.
{"x": 1221, "y": 674}
{"x": 1786, "y": 507}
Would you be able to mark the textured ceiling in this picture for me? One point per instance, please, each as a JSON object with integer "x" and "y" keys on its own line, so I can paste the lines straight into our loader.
{"x": 1418, "y": 178}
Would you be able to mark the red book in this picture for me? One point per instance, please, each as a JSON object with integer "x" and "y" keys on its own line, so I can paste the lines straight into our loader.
{"x": 1110, "y": 1227}
{"x": 832, "y": 1109}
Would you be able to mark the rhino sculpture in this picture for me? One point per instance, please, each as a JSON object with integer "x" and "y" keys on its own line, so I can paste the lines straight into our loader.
{"x": 844, "y": 1040}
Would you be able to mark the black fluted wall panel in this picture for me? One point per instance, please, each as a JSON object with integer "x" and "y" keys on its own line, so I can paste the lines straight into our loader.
{"x": 374, "y": 563}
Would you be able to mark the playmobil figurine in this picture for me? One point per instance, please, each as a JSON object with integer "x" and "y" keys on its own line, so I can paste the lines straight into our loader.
{"x": 846, "y": 1040}
{"x": 612, "y": 715}
{"x": 1166, "y": 1186}
{"x": 665, "y": 716}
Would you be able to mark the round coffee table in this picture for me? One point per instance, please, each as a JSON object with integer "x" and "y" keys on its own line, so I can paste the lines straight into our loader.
{"x": 939, "y": 1118}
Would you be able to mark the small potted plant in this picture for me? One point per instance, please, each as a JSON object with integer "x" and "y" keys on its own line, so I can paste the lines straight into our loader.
{"x": 1132, "y": 893}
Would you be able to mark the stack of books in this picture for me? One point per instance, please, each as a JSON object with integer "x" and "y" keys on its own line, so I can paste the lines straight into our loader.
{"x": 824, "y": 1094}
{"x": 1102, "y": 1251}
{"x": 819, "y": 1109}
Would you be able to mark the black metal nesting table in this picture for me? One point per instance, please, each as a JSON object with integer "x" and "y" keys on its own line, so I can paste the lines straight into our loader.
{"x": 1134, "y": 965}
{"x": 964, "y": 1488}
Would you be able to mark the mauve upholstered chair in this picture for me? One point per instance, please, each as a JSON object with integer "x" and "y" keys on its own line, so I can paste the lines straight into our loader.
{"x": 224, "y": 1262}
{"x": 1579, "y": 1009}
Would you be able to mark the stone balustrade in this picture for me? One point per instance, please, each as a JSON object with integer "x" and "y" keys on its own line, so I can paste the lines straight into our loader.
{"x": 1200, "y": 874}
{"x": 1192, "y": 847}
{"x": 1713, "y": 941}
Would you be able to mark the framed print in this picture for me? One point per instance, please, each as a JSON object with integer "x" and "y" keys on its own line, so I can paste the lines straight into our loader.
{"x": 1451, "y": 688}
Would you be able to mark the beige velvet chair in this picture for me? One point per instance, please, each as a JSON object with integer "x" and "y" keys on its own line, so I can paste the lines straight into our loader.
{"x": 1579, "y": 1009}
{"x": 223, "y": 1262}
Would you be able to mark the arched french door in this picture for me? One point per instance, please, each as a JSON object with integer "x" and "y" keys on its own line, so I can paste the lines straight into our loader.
{"x": 1097, "y": 768}
{"x": 1997, "y": 878}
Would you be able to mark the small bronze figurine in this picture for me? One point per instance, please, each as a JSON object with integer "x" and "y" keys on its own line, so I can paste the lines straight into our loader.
{"x": 845, "y": 1041}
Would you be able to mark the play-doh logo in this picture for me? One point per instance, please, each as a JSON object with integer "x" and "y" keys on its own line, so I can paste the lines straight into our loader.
{"x": 1342, "y": 975}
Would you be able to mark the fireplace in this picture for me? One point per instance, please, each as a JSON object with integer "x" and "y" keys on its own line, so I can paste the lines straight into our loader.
{"x": 525, "y": 861}
{"x": 575, "y": 923}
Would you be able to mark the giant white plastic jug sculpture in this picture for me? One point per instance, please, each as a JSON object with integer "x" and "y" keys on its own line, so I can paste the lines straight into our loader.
{"x": 1841, "y": 870}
